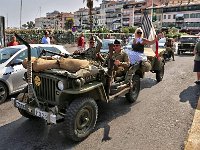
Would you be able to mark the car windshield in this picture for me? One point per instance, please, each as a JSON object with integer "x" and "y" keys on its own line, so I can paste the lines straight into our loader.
{"x": 105, "y": 43}
{"x": 163, "y": 40}
{"x": 7, "y": 53}
{"x": 188, "y": 39}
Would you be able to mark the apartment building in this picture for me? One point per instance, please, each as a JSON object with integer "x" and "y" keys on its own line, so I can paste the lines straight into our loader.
{"x": 185, "y": 15}
{"x": 53, "y": 20}
{"x": 81, "y": 17}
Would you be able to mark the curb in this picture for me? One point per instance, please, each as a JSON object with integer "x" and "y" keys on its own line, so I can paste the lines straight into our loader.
{"x": 193, "y": 141}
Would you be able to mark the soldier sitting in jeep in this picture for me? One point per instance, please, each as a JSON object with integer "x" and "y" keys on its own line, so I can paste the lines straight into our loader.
{"x": 121, "y": 60}
{"x": 93, "y": 50}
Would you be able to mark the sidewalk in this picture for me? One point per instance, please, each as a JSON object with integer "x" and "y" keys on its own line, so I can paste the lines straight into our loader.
{"x": 193, "y": 141}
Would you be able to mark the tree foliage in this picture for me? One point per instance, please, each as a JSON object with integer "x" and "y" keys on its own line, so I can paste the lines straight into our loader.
{"x": 69, "y": 23}
{"x": 29, "y": 25}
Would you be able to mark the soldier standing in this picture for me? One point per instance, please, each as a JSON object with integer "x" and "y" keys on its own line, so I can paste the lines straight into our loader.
{"x": 170, "y": 47}
{"x": 197, "y": 62}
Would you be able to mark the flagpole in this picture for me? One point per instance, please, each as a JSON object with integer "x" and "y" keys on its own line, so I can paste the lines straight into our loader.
{"x": 152, "y": 12}
{"x": 20, "y": 23}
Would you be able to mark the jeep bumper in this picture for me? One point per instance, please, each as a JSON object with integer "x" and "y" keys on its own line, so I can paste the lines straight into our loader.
{"x": 48, "y": 116}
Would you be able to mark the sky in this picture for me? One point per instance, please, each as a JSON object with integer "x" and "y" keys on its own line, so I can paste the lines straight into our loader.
{"x": 31, "y": 9}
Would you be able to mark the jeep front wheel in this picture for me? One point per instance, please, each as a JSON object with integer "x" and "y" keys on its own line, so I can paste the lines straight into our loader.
{"x": 135, "y": 89}
{"x": 160, "y": 74}
{"x": 81, "y": 117}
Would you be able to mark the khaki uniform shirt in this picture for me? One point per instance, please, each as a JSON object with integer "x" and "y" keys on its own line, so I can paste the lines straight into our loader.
{"x": 123, "y": 58}
{"x": 90, "y": 53}
{"x": 197, "y": 49}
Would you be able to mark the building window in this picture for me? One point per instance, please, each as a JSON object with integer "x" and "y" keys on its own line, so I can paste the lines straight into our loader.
{"x": 186, "y": 16}
{"x": 169, "y": 16}
{"x": 164, "y": 16}
{"x": 192, "y": 15}
{"x": 174, "y": 16}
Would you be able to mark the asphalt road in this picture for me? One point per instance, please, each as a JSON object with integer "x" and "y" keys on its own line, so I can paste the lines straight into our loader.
{"x": 159, "y": 120}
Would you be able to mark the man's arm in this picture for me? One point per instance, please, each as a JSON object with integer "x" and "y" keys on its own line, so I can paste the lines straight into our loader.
{"x": 99, "y": 44}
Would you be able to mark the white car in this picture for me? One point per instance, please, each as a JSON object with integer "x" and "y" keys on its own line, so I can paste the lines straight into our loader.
{"x": 161, "y": 43}
{"x": 11, "y": 69}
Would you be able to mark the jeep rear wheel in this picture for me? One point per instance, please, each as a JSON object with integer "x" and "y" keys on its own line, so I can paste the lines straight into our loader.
{"x": 160, "y": 74}
{"x": 81, "y": 117}
{"x": 135, "y": 89}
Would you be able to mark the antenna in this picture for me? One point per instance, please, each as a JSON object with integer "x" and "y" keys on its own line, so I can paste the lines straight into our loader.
{"x": 40, "y": 11}
{"x": 7, "y": 20}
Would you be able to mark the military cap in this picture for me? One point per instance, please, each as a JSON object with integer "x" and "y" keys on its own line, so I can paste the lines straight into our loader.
{"x": 117, "y": 42}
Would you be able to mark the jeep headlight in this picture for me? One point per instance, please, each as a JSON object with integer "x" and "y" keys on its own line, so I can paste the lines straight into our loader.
{"x": 60, "y": 85}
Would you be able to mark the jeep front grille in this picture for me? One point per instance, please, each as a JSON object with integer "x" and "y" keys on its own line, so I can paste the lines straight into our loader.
{"x": 46, "y": 90}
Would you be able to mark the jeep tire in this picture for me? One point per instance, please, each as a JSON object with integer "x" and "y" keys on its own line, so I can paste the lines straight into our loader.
{"x": 160, "y": 74}
{"x": 81, "y": 117}
{"x": 134, "y": 91}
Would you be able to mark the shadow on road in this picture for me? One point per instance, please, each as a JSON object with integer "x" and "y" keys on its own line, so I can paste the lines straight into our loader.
{"x": 191, "y": 94}
{"x": 36, "y": 134}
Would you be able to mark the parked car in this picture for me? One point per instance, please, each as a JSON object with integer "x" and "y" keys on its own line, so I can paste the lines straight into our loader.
{"x": 161, "y": 43}
{"x": 187, "y": 43}
{"x": 11, "y": 69}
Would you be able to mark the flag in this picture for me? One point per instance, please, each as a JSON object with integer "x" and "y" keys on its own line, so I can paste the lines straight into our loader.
{"x": 149, "y": 32}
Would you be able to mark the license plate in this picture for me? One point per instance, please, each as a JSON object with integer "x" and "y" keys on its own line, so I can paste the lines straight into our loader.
{"x": 20, "y": 105}
{"x": 41, "y": 114}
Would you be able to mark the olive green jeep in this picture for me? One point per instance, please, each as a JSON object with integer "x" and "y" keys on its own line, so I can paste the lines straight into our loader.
{"x": 57, "y": 95}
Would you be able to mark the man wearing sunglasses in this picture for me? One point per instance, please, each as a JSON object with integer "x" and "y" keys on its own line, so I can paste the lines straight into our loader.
{"x": 120, "y": 58}
{"x": 93, "y": 50}
{"x": 137, "y": 55}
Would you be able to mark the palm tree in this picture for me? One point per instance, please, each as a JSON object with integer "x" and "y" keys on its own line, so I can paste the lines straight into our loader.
{"x": 90, "y": 6}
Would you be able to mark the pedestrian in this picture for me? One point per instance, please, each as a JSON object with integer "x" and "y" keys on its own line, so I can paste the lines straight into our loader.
{"x": 81, "y": 42}
{"x": 46, "y": 39}
{"x": 196, "y": 69}
{"x": 13, "y": 42}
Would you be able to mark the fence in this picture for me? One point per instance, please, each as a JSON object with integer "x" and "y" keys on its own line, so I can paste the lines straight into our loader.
{"x": 61, "y": 37}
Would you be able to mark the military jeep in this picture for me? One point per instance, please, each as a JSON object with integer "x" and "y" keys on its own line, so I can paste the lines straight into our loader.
{"x": 57, "y": 95}
{"x": 187, "y": 43}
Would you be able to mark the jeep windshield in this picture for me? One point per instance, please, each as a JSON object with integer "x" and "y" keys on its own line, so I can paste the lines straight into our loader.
{"x": 188, "y": 39}
{"x": 7, "y": 53}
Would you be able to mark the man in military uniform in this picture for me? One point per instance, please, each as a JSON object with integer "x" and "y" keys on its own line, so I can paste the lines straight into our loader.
{"x": 170, "y": 47}
{"x": 93, "y": 50}
{"x": 121, "y": 59}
